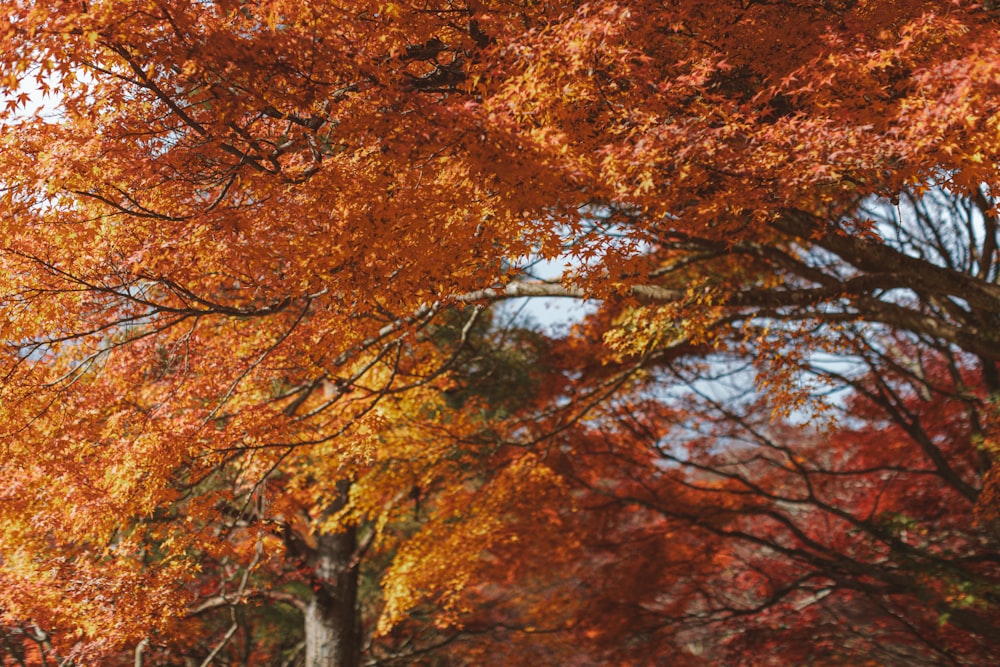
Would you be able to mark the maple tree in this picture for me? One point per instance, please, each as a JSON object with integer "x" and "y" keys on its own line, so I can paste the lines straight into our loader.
{"x": 857, "y": 542}
{"x": 246, "y": 260}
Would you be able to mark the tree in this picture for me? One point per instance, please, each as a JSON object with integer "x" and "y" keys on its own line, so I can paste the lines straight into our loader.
{"x": 228, "y": 253}
{"x": 855, "y": 542}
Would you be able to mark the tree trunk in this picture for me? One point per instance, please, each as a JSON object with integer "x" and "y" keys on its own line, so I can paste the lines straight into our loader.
{"x": 331, "y": 626}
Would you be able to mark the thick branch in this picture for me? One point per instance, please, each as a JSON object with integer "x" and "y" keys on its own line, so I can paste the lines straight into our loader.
{"x": 220, "y": 601}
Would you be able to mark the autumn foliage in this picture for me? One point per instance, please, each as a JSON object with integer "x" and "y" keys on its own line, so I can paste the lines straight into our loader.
{"x": 264, "y": 401}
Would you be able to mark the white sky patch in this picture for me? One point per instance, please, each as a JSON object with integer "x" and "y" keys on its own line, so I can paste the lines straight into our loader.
{"x": 32, "y": 102}
{"x": 554, "y": 315}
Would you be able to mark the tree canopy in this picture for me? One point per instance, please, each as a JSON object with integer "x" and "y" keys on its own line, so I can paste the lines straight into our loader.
{"x": 261, "y": 403}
